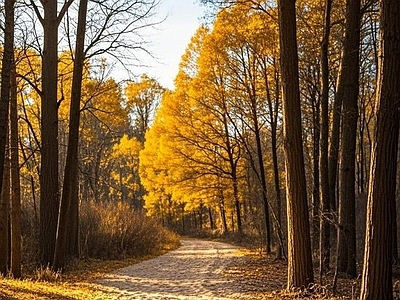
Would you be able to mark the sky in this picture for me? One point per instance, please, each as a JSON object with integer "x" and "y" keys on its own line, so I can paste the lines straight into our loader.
{"x": 170, "y": 38}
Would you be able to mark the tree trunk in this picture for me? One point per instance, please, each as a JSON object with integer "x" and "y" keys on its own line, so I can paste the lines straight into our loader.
{"x": 348, "y": 89}
{"x": 237, "y": 204}
{"x": 16, "y": 239}
{"x": 69, "y": 216}
{"x": 7, "y": 62}
{"x": 324, "y": 240}
{"x": 316, "y": 201}
{"x": 300, "y": 268}
{"x": 377, "y": 270}
{"x": 210, "y": 217}
{"x": 274, "y": 112}
{"x": 4, "y": 218}
{"x": 49, "y": 193}
{"x": 262, "y": 178}
{"x": 222, "y": 211}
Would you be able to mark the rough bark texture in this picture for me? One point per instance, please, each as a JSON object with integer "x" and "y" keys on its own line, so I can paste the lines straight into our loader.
{"x": 49, "y": 193}
{"x": 348, "y": 89}
{"x": 300, "y": 268}
{"x": 377, "y": 271}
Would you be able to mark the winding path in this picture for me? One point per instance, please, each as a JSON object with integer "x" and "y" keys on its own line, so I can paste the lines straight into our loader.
{"x": 193, "y": 271}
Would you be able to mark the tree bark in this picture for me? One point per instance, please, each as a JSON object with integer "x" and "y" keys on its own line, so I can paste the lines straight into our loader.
{"x": 16, "y": 239}
{"x": 4, "y": 218}
{"x": 324, "y": 240}
{"x": 348, "y": 89}
{"x": 7, "y": 62}
{"x": 49, "y": 193}
{"x": 6, "y": 66}
{"x": 300, "y": 268}
{"x": 377, "y": 270}
{"x": 69, "y": 201}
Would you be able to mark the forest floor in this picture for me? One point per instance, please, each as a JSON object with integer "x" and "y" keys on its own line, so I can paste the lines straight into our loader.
{"x": 199, "y": 269}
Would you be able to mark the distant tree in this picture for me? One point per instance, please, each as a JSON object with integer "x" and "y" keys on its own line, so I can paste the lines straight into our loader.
{"x": 377, "y": 270}
{"x": 143, "y": 97}
{"x": 300, "y": 267}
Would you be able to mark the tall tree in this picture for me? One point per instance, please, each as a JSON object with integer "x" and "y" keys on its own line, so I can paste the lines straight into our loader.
{"x": 49, "y": 187}
{"x": 324, "y": 145}
{"x": 6, "y": 69}
{"x": 49, "y": 194}
{"x": 377, "y": 270}
{"x": 348, "y": 90}
{"x": 69, "y": 199}
{"x": 300, "y": 268}
{"x": 16, "y": 237}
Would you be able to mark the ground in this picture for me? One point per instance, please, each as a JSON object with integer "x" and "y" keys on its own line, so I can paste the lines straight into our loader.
{"x": 202, "y": 269}
{"x": 199, "y": 269}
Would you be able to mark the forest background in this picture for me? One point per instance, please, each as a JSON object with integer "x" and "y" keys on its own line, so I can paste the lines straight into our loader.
{"x": 274, "y": 104}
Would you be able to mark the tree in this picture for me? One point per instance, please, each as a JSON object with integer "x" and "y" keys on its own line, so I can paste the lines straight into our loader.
{"x": 324, "y": 145}
{"x": 16, "y": 236}
{"x": 245, "y": 40}
{"x": 300, "y": 268}
{"x": 377, "y": 268}
{"x": 348, "y": 90}
{"x": 143, "y": 98}
{"x": 49, "y": 187}
{"x": 6, "y": 70}
{"x": 69, "y": 200}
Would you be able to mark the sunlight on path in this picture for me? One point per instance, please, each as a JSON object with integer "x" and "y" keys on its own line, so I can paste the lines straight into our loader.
{"x": 194, "y": 271}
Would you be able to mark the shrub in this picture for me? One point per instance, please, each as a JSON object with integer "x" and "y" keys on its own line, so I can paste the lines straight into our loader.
{"x": 115, "y": 230}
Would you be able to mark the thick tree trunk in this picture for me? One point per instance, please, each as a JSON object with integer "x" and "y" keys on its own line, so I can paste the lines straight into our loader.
{"x": 49, "y": 193}
{"x": 300, "y": 268}
{"x": 377, "y": 270}
{"x": 349, "y": 89}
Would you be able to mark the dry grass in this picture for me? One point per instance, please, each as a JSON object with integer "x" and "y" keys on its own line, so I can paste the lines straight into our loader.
{"x": 114, "y": 237}
{"x": 76, "y": 283}
{"x": 267, "y": 277}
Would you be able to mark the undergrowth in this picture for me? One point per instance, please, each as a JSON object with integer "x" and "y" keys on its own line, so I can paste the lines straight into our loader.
{"x": 115, "y": 230}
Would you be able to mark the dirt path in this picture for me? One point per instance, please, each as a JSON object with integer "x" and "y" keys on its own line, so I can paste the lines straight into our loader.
{"x": 194, "y": 271}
